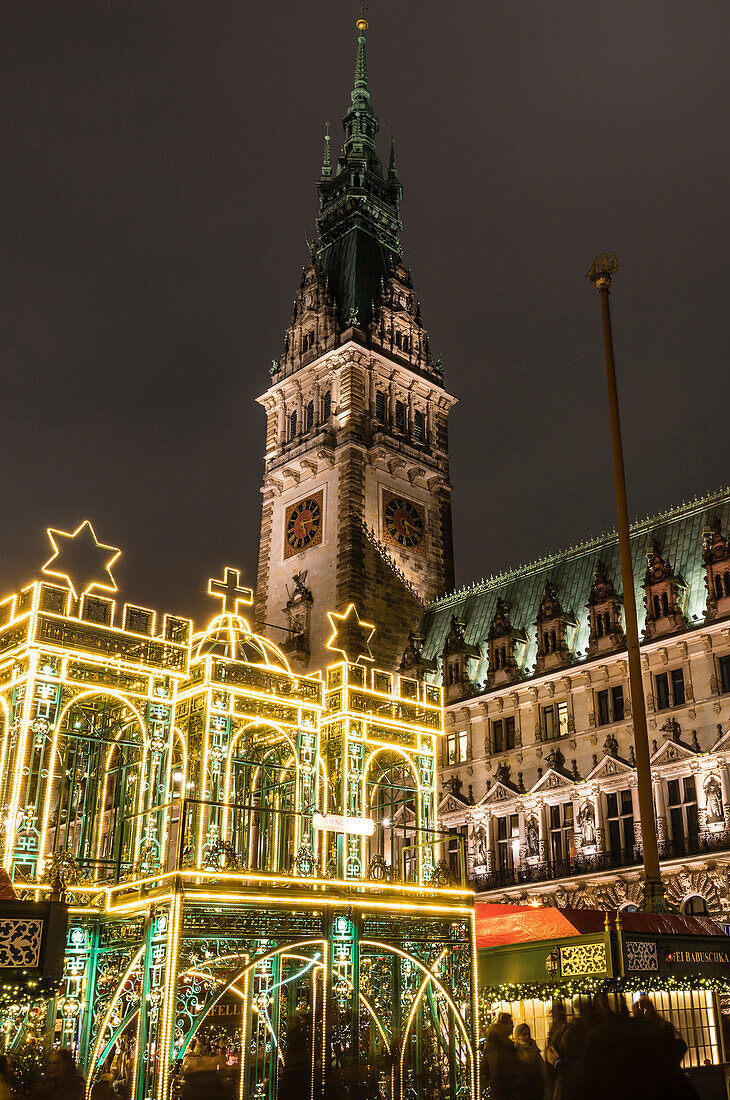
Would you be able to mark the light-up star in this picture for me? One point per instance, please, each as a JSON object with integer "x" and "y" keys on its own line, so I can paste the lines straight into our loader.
{"x": 81, "y": 560}
{"x": 230, "y": 590}
{"x": 350, "y": 636}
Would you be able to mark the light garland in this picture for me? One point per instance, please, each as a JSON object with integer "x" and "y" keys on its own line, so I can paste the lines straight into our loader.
{"x": 573, "y": 987}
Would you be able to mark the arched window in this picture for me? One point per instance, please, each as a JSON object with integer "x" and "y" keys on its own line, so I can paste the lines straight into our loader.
{"x": 665, "y": 604}
{"x": 696, "y": 906}
{"x": 327, "y": 405}
{"x": 718, "y": 586}
{"x": 657, "y": 608}
{"x": 400, "y": 416}
{"x": 418, "y": 426}
{"x": 310, "y": 415}
{"x": 380, "y": 406}
{"x": 497, "y": 657}
{"x": 607, "y": 622}
{"x": 293, "y": 425}
{"x": 727, "y": 584}
{"x": 599, "y": 626}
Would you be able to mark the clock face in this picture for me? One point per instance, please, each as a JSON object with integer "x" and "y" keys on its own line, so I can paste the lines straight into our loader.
{"x": 404, "y": 523}
{"x": 303, "y": 525}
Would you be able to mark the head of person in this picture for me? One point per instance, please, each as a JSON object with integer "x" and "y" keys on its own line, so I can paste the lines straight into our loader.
{"x": 61, "y": 1063}
{"x": 523, "y": 1033}
{"x": 645, "y": 1010}
{"x": 505, "y": 1022}
{"x": 601, "y": 1005}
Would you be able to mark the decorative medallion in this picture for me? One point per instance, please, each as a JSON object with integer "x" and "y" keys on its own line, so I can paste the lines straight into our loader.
{"x": 403, "y": 523}
{"x": 303, "y": 524}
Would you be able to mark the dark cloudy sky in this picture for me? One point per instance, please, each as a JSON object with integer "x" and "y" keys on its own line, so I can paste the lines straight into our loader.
{"x": 158, "y": 169}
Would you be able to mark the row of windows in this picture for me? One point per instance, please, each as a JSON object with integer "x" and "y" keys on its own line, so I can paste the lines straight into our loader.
{"x": 308, "y": 415}
{"x": 681, "y": 800}
{"x": 610, "y": 707}
{"x": 400, "y": 416}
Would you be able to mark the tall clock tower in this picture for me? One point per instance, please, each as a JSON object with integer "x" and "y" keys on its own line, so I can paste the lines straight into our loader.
{"x": 356, "y": 493}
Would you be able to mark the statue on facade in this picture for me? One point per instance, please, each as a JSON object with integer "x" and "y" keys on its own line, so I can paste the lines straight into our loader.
{"x": 533, "y": 837}
{"x": 587, "y": 825}
{"x": 713, "y": 794}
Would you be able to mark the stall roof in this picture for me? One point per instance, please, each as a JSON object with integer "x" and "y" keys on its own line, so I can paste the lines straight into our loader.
{"x": 504, "y": 924}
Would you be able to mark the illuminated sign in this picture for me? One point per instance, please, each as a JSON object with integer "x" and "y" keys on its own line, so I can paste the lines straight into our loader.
{"x": 335, "y": 823}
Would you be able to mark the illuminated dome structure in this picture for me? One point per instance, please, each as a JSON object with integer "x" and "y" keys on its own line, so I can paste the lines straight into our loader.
{"x": 230, "y": 636}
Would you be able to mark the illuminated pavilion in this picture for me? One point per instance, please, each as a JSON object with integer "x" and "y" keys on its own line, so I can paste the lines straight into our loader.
{"x": 229, "y": 832}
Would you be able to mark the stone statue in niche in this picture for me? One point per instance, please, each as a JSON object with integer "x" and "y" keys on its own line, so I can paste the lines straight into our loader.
{"x": 533, "y": 837}
{"x": 480, "y": 848}
{"x": 587, "y": 825}
{"x": 713, "y": 794}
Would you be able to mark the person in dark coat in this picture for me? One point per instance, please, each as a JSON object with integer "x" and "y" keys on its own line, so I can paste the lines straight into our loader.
{"x": 501, "y": 1059}
{"x": 530, "y": 1069}
{"x": 671, "y": 1049}
{"x": 62, "y": 1081}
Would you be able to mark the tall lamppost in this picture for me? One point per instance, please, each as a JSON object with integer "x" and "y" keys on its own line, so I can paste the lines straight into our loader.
{"x": 654, "y": 895}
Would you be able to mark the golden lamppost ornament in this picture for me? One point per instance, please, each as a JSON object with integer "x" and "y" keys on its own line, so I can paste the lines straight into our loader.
{"x": 602, "y": 269}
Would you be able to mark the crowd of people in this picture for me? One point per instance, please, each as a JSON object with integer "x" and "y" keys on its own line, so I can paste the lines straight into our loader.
{"x": 600, "y": 1053}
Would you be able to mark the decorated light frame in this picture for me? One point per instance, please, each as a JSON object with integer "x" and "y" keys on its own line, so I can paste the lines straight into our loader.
{"x": 138, "y": 971}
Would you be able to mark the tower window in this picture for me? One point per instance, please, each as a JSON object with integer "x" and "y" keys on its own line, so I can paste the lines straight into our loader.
{"x": 724, "y": 666}
{"x": 669, "y": 689}
{"x": 418, "y": 426}
{"x": 555, "y": 721}
{"x": 310, "y": 415}
{"x": 293, "y": 425}
{"x": 327, "y": 405}
{"x": 400, "y": 416}
{"x": 380, "y": 406}
{"x": 503, "y": 734}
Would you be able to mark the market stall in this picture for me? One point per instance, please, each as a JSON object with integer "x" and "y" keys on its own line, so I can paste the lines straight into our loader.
{"x": 529, "y": 958}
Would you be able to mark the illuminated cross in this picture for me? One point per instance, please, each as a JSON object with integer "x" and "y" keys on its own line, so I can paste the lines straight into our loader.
{"x": 230, "y": 590}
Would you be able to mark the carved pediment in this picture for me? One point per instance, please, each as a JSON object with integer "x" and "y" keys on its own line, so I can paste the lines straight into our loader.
{"x": 499, "y": 792}
{"x": 671, "y": 752}
{"x": 451, "y": 803}
{"x": 552, "y": 781}
{"x": 609, "y": 767}
{"x": 723, "y": 741}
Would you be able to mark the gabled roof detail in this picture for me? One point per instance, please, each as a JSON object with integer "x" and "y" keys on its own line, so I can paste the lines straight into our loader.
{"x": 610, "y": 766}
{"x": 552, "y": 781}
{"x": 670, "y": 752}
{"x": 499, "y": 792}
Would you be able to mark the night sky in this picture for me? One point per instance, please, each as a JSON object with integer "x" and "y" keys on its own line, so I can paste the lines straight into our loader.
{"x": 158, "y": 173}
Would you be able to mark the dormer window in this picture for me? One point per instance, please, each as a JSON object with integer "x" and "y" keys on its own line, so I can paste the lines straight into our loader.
{"x": 604, "y": 614}
{"x": 716, "y": 559}
{"x": 665, "y": 597}
{"x": 556, "y": 630}
{"x": 506, "y": 646}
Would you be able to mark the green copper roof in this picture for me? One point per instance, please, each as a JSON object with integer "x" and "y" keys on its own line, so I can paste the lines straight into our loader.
{"x": 359, "y": 224}
{"x": 677, "y": 533}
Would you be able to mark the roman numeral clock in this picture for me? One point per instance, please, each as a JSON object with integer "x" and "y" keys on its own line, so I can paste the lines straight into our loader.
{"x": 403, "y": 523}
{"x": 303, "y": 525}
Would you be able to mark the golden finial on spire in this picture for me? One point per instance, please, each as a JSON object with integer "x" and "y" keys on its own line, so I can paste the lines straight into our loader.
{"x": 362, "y": 23}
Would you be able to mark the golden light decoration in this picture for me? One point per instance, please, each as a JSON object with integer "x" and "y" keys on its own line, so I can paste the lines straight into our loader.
{"x": 81, "y": 576}
{"x": 350, "y": 635}
{"x": 230, "y": 590}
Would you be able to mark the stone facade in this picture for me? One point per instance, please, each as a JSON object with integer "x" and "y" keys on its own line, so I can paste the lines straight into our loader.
{"x": 539, "y": 763}
{"x": 356, "y": 492}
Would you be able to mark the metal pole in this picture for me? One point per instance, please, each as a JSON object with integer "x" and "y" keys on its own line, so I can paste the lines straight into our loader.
{"x": 654, "y": 895}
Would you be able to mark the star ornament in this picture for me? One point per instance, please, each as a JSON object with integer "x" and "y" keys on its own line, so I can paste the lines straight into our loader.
{"x": 81, "y": 560}
{"x": 350, "y": 636}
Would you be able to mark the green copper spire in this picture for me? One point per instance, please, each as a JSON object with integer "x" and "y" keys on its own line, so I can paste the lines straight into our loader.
{"x": 327, "y": 162}
{"x": 359, "y": 225}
